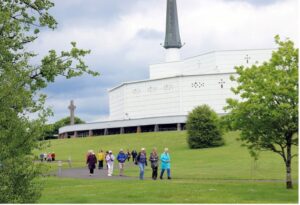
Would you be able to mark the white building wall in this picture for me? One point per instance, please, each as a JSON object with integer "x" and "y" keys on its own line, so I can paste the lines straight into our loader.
{"x": 210, "y": 63}
{"x": 116, "y": 104}
{"x": 212, "y": 90}
{"x": 171, "y": 96}
{"x": 176, "y": 88}
{"x": 227, "y": 60}
{"x": 152, "y": 98}
{"x": 166, "y": 70}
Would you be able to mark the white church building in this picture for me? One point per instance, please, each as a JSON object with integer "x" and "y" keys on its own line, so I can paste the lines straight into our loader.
{"x": 174, "y": 89}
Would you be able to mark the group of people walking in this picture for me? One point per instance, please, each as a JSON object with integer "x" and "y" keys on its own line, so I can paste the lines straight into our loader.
{"x": 47, "y": 157}
{"x": 139, "y": 159}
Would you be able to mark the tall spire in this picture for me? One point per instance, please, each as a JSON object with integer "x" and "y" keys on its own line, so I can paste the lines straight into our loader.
{"x": 172, "y": 39}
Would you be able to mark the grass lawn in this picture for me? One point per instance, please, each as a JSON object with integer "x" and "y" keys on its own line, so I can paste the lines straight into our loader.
{"x": 199, "y": 176}
{"x": 175, "y": 191}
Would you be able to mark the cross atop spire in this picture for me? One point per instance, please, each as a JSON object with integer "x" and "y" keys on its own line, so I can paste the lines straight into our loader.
{"x": 172, "y": 39}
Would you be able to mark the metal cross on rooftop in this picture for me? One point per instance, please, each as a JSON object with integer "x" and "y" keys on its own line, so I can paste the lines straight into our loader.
{"x": 222, "y": 83}
{"x": 72, "y": 108}
{"x": 247, "y": 58}
{"x": 199, "y": 64}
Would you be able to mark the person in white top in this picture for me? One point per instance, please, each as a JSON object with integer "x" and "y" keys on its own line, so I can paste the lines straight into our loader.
{"x": 110, "y": 163}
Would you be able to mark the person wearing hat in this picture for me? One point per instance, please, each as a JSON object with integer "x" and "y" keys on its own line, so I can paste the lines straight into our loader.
{"x": 141, "y": 160}
{"x": 110, "y": 163}
{"x": 121, "y": 159}
{"x": 165, "y": 163}
{"x": 91, "y": 162}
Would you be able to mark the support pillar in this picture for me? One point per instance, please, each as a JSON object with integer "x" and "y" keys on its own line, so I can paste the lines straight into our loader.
{"x": 75, "y": 134}
{"x": 66, "y": 136}
{"x": 105, "y": 131}
{"x": 122, "y": 131}
{"x": 179, "y": 127}
{"x": 138, "y": 129}
{"x": 90, "y": 133}
{"x": 156, "y": 128}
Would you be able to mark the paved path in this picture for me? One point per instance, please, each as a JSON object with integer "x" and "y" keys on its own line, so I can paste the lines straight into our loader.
{"x": 83, "y": 173}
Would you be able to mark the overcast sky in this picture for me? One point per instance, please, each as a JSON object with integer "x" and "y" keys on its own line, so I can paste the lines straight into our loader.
{"x": 125, "y": 37}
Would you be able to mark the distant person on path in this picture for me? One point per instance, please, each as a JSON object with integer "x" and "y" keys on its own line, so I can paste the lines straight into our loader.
{"x": 49, "y": 157}
{"x": 42, "y": 157}
{"x": 121, "y": 159}
{"x": 154, "y": 163}
{"x": 141, "y": 160}
{"x": 110, "y": 163}
{"x": 165, "y": 163}
{"x": 101, "y": 157}
{"x": 53, "y": 156}
{"x": 128, "y": 155}
{"x": 106, "y": 153}
{"x": 91, "y": 162}
{"x": 45, "y": 156}
{"x": 134, "y": 154}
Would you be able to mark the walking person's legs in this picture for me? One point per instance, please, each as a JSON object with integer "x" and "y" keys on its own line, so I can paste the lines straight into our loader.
{"x": 169, "y": 173}
{"x": 121, "y": 168}
{"x": 112, "y": 169}
{"x": 142, "y": 167}
{"x": 162, "y": 173}
{"x": 101, "y": 164}
{"x": 155, "y": 173}
{"x": 108, "y": 169}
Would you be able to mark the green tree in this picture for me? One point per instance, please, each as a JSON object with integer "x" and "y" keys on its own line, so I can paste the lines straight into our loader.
{"x": 203, "y": 128}
{"x": 52, "y": 129}
{"x": 21, "y": 85}
{"x": 267, "y": 113}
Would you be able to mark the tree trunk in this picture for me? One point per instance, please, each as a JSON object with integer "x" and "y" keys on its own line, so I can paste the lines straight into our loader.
{"x": 289, "y": 184}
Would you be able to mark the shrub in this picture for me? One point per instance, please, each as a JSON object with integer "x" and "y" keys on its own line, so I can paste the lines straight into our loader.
{"x": 203, "y": 128}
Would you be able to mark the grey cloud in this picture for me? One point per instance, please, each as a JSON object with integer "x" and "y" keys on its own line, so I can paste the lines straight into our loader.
{"x": 150, "y": 34}
{"x": 87, "y": 11}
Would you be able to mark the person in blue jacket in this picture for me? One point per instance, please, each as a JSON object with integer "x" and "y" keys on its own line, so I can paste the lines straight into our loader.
{"x": 165, "y": 163}
{"x": 141, "y": 160}
{"x": 121, "y": 159}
